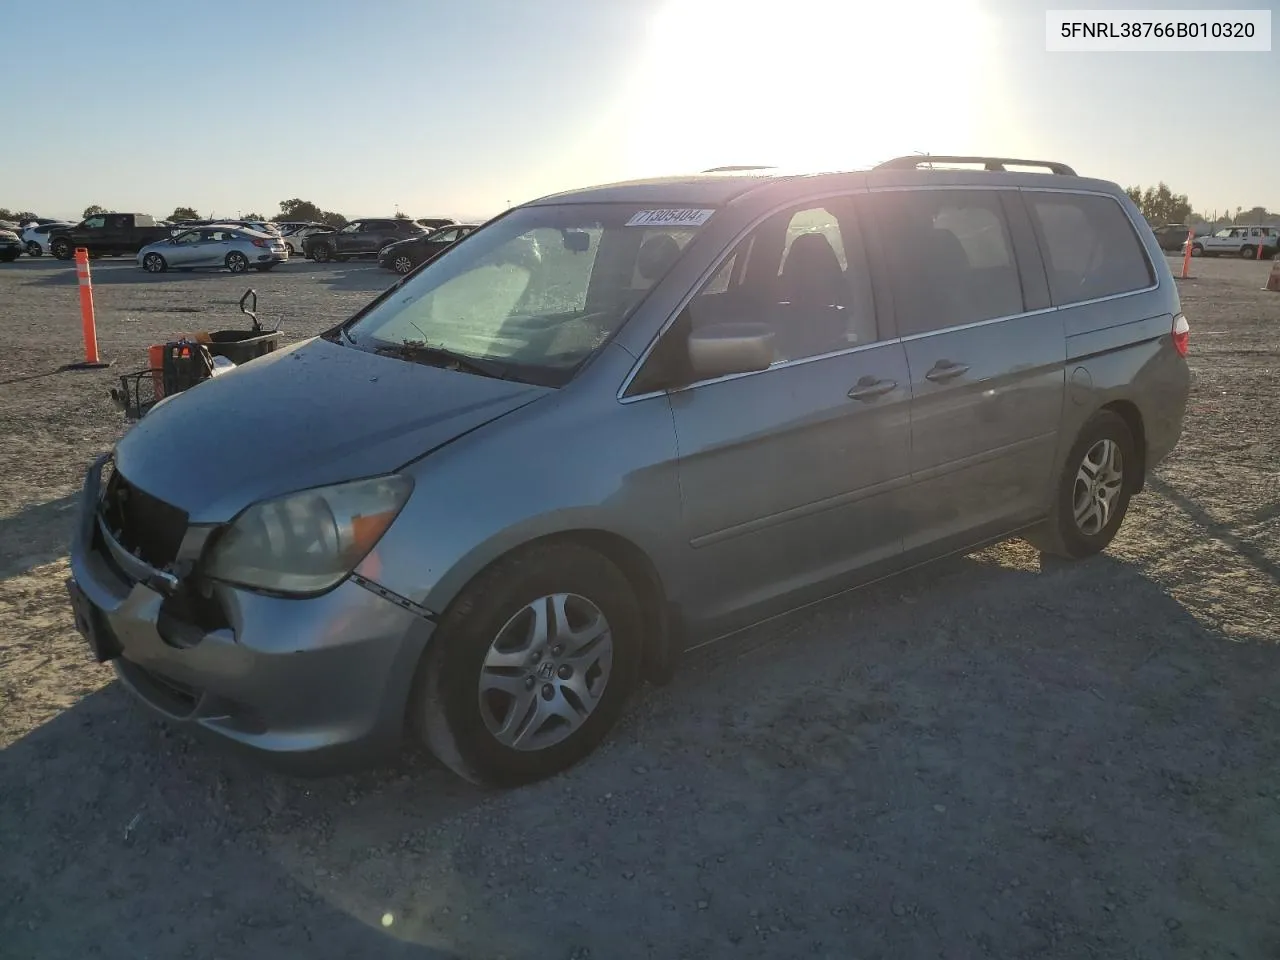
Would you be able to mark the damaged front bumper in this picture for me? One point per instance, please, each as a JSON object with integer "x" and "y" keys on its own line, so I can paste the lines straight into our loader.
{"x": 316, "y": 684}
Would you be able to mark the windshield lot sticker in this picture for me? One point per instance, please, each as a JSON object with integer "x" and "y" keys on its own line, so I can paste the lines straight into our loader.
{"x": 670, "y": 218}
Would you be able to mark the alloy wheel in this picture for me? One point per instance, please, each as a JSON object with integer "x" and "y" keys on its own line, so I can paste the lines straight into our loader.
{"x": 403, "y": 264}
{"x": 1099, "y": 480}
{"x": 545, "y": 672}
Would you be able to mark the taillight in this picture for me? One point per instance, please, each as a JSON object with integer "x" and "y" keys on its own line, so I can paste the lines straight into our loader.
{"x": 1181, "y": 334}
{"x": 259, "y": 243}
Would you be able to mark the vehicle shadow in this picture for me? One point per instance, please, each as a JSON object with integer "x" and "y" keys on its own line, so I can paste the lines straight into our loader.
{"x": 36, "y": 535}
{"x": 982, "y": 718}
{"x": 1221, "y": 530}
{"x": 154, "y": 840}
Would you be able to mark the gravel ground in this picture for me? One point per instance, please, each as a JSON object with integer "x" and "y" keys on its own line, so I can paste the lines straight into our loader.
{"x": 985, "y": 758}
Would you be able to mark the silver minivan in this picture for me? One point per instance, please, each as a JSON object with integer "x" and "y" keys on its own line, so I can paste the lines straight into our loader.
{"x": 616, "y": 423}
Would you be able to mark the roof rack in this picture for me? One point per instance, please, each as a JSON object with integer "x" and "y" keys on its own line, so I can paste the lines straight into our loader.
{"x": 997, "y": 164}
{"x": 739, "y": 168}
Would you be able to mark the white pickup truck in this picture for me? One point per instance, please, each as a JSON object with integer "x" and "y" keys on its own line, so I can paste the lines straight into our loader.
{"x": 1240, "y": 241}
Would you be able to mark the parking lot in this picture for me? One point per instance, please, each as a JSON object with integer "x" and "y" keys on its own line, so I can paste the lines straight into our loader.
{"x": 989, "y": 757}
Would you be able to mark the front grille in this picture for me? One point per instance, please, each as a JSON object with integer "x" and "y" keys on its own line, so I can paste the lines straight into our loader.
{"x": 146, "y": 526}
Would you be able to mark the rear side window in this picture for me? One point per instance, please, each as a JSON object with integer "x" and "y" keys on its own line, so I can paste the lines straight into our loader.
{"x": 1090, "y": 247}
{"x": 950, "y": 257}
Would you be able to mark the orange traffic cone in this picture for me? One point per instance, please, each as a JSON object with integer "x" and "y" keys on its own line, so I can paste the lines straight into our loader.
{"x": 87, "y": 326}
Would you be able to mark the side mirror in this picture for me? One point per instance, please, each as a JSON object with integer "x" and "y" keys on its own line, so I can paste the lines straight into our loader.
{"x": 727, "y": 348}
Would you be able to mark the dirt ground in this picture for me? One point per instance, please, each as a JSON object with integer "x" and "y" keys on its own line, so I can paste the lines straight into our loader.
{"x": 987, "y": 758}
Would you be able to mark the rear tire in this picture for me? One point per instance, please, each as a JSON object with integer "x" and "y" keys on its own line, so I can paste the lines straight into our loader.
{"x": 237, "y": 262}
{"x": 154, "y": 263}
{"x": 1197, "y": 250}
{"x": 34, "y": 250}
{"x": 459, "y": 699}
{"x": 1090, "y": 501}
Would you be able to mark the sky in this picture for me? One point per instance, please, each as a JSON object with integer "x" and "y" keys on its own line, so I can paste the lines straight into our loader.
{"x": 462, "y": 107}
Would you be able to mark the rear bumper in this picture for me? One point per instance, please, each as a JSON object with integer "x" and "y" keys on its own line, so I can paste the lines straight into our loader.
{"x": 311, "y": 685}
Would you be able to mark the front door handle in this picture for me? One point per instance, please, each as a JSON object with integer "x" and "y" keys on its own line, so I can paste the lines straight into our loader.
{"x": 868, "y": 388}
{"x": 945, "y": 370}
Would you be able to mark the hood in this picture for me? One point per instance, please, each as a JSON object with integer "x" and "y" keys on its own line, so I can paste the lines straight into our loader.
{"x": 308, "y": 415}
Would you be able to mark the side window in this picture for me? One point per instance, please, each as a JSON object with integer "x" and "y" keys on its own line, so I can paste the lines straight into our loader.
{"x": 801, "y": 272}
{"x": 950, "y": 257}
{"x": 1089, "y": 245}
{"x": 95, "y": 223}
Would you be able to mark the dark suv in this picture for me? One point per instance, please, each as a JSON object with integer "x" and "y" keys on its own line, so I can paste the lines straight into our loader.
{"x": 359, "y": 238}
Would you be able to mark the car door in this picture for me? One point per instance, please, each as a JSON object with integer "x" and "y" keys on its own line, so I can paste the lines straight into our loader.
{"x": 214, "y": 246}
{"x": 184, "y": 250}
{"x": 346, "y": 241}
{"x": 790, "y": 476}
{"x": 439, "y": 241}
{"x": 379, "y": 233}
{"x": 986, "y": 359}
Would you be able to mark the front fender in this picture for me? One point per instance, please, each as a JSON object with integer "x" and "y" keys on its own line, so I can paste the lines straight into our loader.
{"x": 536, "y": 473}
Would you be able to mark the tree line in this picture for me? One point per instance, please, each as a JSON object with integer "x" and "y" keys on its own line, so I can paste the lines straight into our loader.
{"x": 1161, "y": 206}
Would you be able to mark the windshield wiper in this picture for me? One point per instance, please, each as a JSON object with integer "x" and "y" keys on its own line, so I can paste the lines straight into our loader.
{"x": 443, "y": 357}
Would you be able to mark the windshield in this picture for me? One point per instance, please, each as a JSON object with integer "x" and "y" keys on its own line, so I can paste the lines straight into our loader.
{"x": 539, "y": 290}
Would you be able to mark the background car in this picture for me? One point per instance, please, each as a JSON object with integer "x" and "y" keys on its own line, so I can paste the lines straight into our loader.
{"x": 224, "y": 246}
{"x": 1172, "y": 237}
{"x": 35, "y": 238}
{"x": 294, "y": 239}
{"x": 359, "y": 238}
{"x": 407, "y": 254}
{"x": 1241, "y": 241}
{"x": 435, "y": 223}
{"x": 10, "y": 246}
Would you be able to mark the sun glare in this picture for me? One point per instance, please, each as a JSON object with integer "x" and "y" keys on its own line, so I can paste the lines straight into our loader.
{"x": 804, "y": 83}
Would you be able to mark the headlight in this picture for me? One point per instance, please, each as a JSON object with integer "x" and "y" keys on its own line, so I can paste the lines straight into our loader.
{"x": 307, "y": 542}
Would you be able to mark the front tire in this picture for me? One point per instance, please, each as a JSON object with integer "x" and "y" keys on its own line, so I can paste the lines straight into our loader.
{"x": 402, "y": 264}
{"x": 531, "y": 666}
{"x": 321, "y": 253}
{"x": 154, "y": 263}
{"x": 237, "y": 262}
{"x": 1248, "y": 253}
{"x": 1197, "y": 250}
{"x": 1092, "y": 494}
{"x": 61, "y": 249}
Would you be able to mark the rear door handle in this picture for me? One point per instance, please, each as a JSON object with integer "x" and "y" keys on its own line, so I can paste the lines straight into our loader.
{"x": 945, "y": 370}
{"x": 868, "y": 388}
